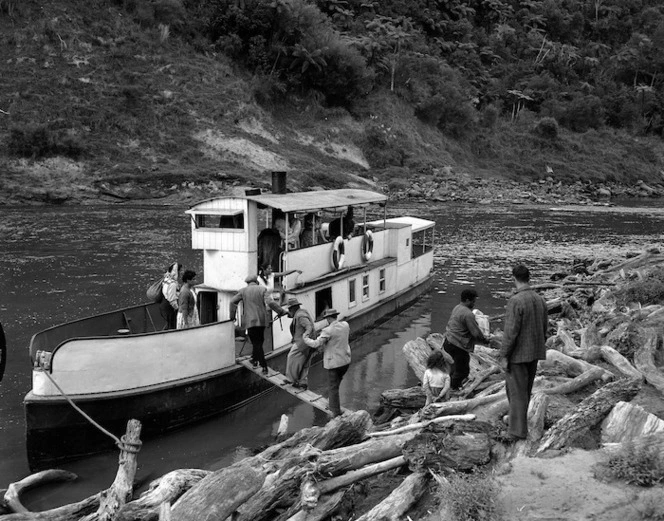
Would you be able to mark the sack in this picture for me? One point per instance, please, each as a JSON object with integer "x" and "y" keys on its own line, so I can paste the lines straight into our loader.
{"x": 482, "y": 322}
{"x": 154, "y": 292}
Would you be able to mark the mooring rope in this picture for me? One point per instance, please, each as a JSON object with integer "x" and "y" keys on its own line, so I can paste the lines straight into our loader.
{"x": 122, "y": 443}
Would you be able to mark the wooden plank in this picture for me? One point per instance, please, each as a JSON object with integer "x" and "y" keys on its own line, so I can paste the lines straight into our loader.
{"x": 278, "y": 379}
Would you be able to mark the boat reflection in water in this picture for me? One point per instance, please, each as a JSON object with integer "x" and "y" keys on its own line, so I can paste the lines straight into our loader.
{"x": 167, "y": 379}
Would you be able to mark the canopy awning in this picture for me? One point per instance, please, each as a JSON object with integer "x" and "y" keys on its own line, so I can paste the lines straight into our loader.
{"x": 318, "y": 200}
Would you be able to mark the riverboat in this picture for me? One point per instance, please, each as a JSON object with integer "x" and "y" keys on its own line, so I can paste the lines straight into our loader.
{"x": 123, "y": 364}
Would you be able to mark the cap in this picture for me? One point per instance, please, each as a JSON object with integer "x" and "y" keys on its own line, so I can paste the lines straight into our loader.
{"x": 330, "y": 313}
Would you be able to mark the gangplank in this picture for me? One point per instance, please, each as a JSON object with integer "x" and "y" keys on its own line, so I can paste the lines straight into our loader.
{"x": 278, "y": 379}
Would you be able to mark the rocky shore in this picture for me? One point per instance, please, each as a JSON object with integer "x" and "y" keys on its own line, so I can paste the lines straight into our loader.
{"x": 446, "y": 186}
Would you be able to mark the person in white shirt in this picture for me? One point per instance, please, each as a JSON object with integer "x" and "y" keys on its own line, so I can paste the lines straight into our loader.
{"x": 436, "y": 379}
{"x": 333, "y": 340}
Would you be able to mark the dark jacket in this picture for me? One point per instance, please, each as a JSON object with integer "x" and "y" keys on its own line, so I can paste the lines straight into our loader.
{"x": 526, "y": 322}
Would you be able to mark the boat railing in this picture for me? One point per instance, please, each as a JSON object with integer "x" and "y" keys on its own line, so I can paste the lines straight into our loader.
{"x": 139, "y": 319}
{"x": 317, "y": 261}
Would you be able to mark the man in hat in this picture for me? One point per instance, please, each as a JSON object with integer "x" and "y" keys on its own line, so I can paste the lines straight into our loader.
{"x": 524, "y": 343}
{"x": 297, "y": 363}
{"x": 255, "y": 298}
{"x": 333, "y": 339}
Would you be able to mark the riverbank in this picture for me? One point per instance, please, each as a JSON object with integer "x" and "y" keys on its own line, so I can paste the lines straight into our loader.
{"x": 444, "y": 185}
{"x": 589, "y": 326}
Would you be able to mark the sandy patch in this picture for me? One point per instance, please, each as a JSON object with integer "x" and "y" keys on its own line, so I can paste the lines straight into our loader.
{"x": 344, "y": 151}
{"x": 564, "y": 488}
{"x": 240, "y": 150}
{"x": 255, "y": 127}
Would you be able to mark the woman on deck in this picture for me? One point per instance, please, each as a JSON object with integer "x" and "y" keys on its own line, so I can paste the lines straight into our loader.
{"x": 170, "y": 288}
{"x": 187, "y": 312}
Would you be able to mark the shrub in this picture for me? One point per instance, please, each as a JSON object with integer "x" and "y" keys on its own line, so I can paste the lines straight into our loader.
{"x": 547, "y": 128}
{"x": 38, "y": 141}
{"x": 472, "y": 497}
{"x": 649, "y": 290}
{"x": 643, "y": 465}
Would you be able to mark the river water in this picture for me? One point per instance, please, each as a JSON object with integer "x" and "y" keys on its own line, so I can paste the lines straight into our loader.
{"x": 60, "y": 263}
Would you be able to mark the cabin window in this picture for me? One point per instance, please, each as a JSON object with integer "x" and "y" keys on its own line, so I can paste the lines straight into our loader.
{"x": 365, "y": 287}
{"x": 422, "y": 242}
{"x": 233, "y": 220}
{"x": 352, "y": 299}
{"x": 381, "y": 280}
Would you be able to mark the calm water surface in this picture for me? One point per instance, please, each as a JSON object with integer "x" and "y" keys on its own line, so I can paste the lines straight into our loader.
{"x": 59, "y": 264}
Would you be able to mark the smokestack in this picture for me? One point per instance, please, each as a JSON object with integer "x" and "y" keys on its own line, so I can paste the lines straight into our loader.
{"x": 278, "y": 182}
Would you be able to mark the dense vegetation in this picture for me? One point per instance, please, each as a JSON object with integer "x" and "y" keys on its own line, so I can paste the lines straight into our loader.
{"x": 518, "y": 88}
{"x": 584, "y": 64}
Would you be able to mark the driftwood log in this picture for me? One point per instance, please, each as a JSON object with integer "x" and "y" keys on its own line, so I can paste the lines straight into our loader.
{"x": 114, "y": 498}
{"x": 618, "y": 361}
{"x": 402, "y": 498}
{"x": 412, "y": 398}
{"x": 536, "y": 417}
{"x": 219, "y": 494}
{"x": 571, "y": 366}
{"x": 164, "y": 491}
{"x": 324, "y": 509}
{"x": 13, "y": 492}
{"x": 588, "y": 413}
{"x": 281, "y": 488}
{"x": 644, "y": 360}
{"x": 71, "y": 512}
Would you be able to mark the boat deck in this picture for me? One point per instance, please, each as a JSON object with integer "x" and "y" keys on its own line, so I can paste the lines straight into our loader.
{"x": 278, "y": 379}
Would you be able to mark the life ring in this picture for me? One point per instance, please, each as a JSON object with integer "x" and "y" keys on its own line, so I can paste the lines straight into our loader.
{"x": 338, "y": 253}
{"x": 367, "y": 245}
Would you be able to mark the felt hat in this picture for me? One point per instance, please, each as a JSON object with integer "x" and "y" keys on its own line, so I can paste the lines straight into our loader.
{"x": 292, "y": 301}
{"x": 330, "y": 313}
{"x": 251, "y": 278}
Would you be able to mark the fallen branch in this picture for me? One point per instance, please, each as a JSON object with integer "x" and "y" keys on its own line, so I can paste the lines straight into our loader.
{"x": 571, "y": 366}
{"x": 421, "y": 425}
{"x": 14, "y": 491}
{"x": 400, "y": 500}
{"x": 581, "y": 381}
{"x": 351, "y": 477}
{"x": 619, "y": 362}
{"x": 166, "y": 489}
{"x": 644, "y": 359}
{"x": 588, "y": 413}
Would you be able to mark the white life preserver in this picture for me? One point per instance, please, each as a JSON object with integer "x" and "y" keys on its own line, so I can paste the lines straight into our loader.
{"x": 367, "y": 245}
{"x": 338, "y": 253}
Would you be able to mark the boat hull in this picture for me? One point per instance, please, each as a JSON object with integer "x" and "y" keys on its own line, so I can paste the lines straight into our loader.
{"x": 56, "y": 432}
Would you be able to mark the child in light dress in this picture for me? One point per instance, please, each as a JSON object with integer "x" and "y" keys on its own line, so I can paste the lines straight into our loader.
{"x": 436, "y": 379}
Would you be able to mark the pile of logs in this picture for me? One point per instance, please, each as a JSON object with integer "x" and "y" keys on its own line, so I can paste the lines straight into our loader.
{"x": 599, "y": 357}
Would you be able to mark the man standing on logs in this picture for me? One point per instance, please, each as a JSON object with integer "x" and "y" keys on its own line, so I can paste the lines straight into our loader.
{"x": 526, "y": 323}
{"x": 460, "y": 336}
{"x": 336, "y": 354}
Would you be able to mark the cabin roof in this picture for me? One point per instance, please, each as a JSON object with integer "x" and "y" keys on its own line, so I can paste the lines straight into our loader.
{"x": 307, "y": 201}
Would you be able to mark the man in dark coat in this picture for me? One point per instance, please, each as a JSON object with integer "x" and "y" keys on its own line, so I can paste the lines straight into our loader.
{"x": 255, "y": 301}
{"x": 526, "y": 323}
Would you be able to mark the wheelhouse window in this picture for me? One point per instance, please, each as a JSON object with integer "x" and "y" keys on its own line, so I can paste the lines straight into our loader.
{"x": 365, "y": 287}
{"x": 381, "y": 280}
{"x": 422, "y": 242}
{"x": 232, "y": 220}
{"x": 352, "y": 298}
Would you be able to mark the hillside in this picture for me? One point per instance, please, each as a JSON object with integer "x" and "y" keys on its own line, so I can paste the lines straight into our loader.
{"x": 99, "y": 100}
